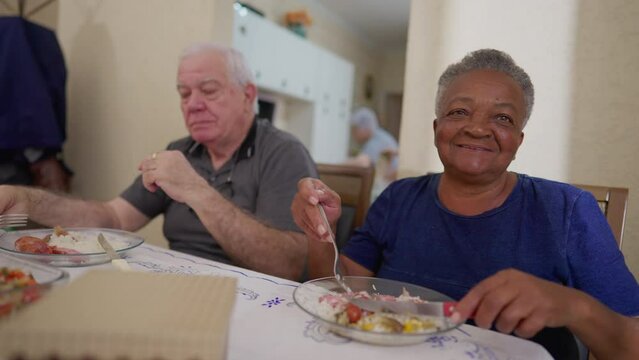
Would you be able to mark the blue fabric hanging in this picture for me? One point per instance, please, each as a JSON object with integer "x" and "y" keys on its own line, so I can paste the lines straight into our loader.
{"x": 32, "y": 87}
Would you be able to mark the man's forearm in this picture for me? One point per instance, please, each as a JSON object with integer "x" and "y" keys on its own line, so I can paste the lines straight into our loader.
{"x": 51, "y": 209}
{"x": 248, "y": 242}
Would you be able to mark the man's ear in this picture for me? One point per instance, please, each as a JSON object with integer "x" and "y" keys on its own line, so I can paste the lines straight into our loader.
{"x": 250, "y": 93}
{"x": 434, "y": 131}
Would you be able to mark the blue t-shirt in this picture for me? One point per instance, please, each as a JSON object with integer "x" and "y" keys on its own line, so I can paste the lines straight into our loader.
{"x": 548, "y": 229}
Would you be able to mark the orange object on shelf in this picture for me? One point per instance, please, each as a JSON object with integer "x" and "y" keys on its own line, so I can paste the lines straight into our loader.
{"x": 298, "y": 17}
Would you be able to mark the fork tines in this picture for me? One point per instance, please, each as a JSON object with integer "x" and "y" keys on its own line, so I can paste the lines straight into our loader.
{"x": 13, "y": 220}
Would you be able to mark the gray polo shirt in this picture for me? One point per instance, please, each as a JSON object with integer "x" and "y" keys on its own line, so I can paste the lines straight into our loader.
{"x": 260, "y": 178}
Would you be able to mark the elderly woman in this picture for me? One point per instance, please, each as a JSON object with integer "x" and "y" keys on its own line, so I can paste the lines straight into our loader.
{"x": 498, "y": 241}
{"x": 377, "y": 148}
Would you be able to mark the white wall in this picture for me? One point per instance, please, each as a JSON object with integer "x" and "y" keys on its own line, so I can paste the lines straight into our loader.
{"x": 583, "y": 58}
{"x": 540, "y": 40}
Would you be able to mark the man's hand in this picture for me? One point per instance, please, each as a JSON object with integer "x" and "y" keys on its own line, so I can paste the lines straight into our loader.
{"x": 311, "y": 192}
{"x": 13, "y": 200}
{"x": 171, "y": 171}
{"x": 518, "y": 302}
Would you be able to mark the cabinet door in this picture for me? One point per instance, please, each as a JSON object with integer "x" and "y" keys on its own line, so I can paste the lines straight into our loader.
{"x": 334, "y": 78}
{"x": 301, "y": 67}
{"x": 254, "y": 36}
{"x": 243, "y": 29}
{"x": 281, "y": 61}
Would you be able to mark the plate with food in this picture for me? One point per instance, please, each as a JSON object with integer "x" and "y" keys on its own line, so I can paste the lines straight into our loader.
{"x": 67, "y": 247}
{"x": 23, "y": 282}
{"x": 355, "y": 314}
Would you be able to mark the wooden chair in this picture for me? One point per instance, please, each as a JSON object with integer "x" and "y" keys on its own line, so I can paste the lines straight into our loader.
{"x": 613, "y": 202}
{"x": 353, "y": 184}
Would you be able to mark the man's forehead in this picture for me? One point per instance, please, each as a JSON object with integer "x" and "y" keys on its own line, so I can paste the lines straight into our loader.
{"x": 198, "y": 82}
{"x": 202, "y": 67}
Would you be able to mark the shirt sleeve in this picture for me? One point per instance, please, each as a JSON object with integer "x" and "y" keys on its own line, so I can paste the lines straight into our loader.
{"x": 596, "y": 264}
{"x": 149, "y": 203}
{"x": 283, "y": 167}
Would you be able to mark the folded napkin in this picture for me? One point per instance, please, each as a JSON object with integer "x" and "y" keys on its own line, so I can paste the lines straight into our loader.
{"x": 125, "y": 315}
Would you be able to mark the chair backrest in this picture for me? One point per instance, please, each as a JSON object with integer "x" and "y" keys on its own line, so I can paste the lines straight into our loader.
{"x": 613, "y": 202}
{"x": 353, "y": 184}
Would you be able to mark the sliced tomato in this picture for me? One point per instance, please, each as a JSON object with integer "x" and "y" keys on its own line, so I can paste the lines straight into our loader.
{"x": 353, "y": 312}
{"x": 34, "y": 245}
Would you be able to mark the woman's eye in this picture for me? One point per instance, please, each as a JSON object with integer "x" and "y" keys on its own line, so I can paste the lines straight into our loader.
{"x": 505, "y": 118}
{"x": 457, "y": 112}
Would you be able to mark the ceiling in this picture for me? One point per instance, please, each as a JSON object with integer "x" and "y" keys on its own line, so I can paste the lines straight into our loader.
{"x": 384, "y": 22}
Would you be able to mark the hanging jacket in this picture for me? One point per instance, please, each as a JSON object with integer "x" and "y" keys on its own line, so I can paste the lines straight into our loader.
{"x": 32, "y": 87}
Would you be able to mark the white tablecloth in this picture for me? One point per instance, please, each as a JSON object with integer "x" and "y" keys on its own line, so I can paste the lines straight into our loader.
{"x": 267, "y": 324}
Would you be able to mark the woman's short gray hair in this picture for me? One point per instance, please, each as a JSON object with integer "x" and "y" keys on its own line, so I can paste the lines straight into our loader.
{"x": 487, "y": 59}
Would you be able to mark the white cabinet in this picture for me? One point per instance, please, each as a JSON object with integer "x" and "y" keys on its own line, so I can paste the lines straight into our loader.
{"x": 321, "y": 82}
{"x": 278, "y": 58}
{"x": 331, "y": 127}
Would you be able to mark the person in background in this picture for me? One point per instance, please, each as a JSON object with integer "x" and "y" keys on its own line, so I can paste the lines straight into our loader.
{"x": 224, "y": 190}
{"x": 377, "y": 147}
{"x": 33, "y": 106}
{"x": 525, "y": 255}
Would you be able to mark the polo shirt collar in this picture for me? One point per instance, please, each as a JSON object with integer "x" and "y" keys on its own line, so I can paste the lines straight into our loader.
{"x": 246, "y": 150}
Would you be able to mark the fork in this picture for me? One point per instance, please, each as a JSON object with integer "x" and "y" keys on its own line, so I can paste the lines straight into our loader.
{"x": 336, "y": 271}
{"x": 13, "y": 220}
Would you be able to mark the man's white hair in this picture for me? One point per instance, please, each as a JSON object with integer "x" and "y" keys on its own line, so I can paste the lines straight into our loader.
{"x": 237, "y": 68}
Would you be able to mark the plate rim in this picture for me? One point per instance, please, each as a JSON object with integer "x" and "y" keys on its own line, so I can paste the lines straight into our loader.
{"x": 416, "y": 337}
{"x": 140, "y": 241}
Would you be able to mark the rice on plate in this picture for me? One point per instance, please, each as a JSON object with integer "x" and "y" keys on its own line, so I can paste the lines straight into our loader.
{"x": 83, "y": 242}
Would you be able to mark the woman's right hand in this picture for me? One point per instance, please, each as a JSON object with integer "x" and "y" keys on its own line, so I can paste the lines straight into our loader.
{"x": 311, "y": 192}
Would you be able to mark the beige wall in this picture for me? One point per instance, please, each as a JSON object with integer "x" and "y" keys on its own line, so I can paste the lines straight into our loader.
{"x": 603, "y": 145}
{"x": 122, "y": 104}
{"x": 583, "y": 59}
{"x": 46, "y": 16}
{"x": 122, "y": 56}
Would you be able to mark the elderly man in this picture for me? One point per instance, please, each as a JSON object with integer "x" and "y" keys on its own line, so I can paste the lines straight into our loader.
{"x": 520, "y": 253}
{"x": 224, "y": 190}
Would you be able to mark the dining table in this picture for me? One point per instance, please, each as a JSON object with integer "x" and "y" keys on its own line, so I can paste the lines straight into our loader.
{"x": 266, "y": 323}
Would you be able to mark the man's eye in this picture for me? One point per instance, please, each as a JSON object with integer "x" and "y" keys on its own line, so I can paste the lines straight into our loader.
{"x": 184, "y": 94}
{"x": 210, "y": 91}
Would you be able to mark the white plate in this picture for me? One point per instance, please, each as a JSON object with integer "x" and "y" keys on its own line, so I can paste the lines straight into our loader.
{"x": 8, "y": 239}
{"x": 307, "y": 296}
{"x": 45, "y": 276}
